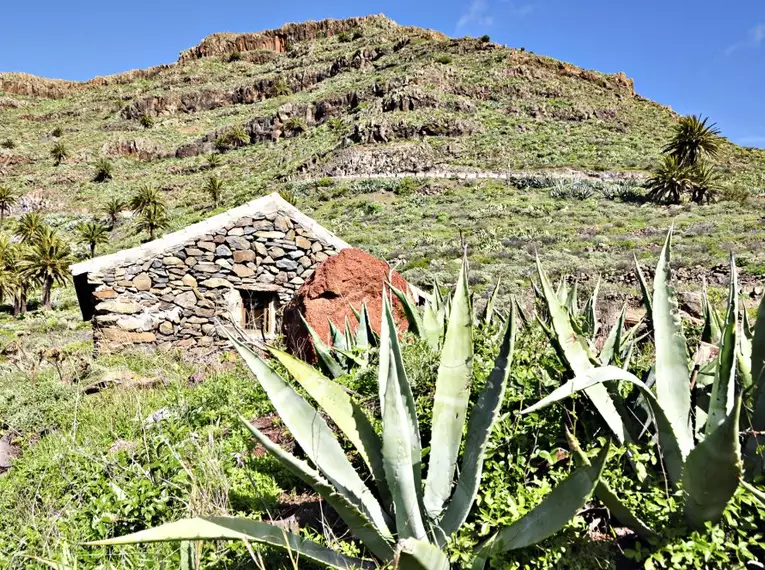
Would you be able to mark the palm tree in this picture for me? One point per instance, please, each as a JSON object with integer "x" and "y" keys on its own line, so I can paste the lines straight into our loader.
{"x": 112, "y": 208}
{"x": 46, "y": 263}
{"x": 153, "y": 218}
{"x": 213, "y": 160}
{"x": 214, "y": 188}
{"x": 693, "y": 139}
{"x": 7, "y": 201}
{"x": 59, "y": 152}
{"x": 93, "y": 233}
{"x": 670, "y": 181}
{"x": 706, "y": 182}
{"x": 29, "y": 226}
{"x": 10, "y": 283}
{"x": 147, "y": 196}
{"x": 104, "y": 170}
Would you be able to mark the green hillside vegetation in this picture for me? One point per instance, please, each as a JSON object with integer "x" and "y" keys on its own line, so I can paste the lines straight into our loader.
{"x": 417, "y": 148}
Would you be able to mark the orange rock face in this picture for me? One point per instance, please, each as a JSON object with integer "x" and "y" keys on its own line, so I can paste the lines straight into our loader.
{"x": 351, "y": 278}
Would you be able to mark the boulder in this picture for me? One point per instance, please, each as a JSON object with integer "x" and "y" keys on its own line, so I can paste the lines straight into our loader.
{"x": 351, "y": 278}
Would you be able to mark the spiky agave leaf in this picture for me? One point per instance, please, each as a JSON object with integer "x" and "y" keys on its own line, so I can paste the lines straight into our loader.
{"x": 416, "y": 554}
{"x": 377, "y": 542}
{"x": 754, "y": 448}
{"x": 400, "y": 438}
{"x": 647, "y": 302}
{"x": 721, "y": 403}
{"x": 483, "y": 416}
{"x": 547, "y": 518}
{"x": 603, "y": 491}
{"x": 711, "y": 331}
{"x": 349, "y": 417}
{"x": 452, "y": 395}
{"x": 613, "y": 341}
{"x": 313, "y": 435}
{"x": 671, "y": 369}
{"x": 575, "y": 353}
{"x": 490, "y": 310}
{"x": 328, "y": 363}
{"x": 413, "y": 317}
{"x": 232, "y": 528}
{"x": 673, "y": 455}
{"x": 712, "y": 471}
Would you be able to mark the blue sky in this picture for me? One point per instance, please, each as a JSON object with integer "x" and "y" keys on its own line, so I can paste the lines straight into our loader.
{"x": 698, "y": 57}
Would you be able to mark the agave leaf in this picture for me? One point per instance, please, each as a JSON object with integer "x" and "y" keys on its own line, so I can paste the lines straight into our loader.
{"x": 754, "y": 449}
{"x": 572, "y": 299}
{"x": 590, "y": 312}
{"x": 489, "y": 312}
{"x": 613, "y": 341}
{"x": 313, "y": 434}
{"x": 721, "y": 404}
{"x": 603, "y": 491}
{"x": 450, "y": 403}
{"x": 674, "y": 456}
{"x": 483, "y": 416}
{"x": 711, "y": 331}
{"x": 646, "y": 292}
{"x": 577, "y": 357}
{"x": 433, "y": 325}
{"x": 402, "y": 467}
{"x": 712, "y": 472}
{"x": 552, "y": 514}
{"x": 746, "y": 325}
{"x": 232, "y": 528}
{"x": 672, "y": 375}
{"x": 356, "y": 313}
{"x": 416, "y": 554}
{"x": 515, "y": 304}
{"x": 364, "y": 334}
{"x": 376, "y": 540}
{"x": 411, "y": 311}
{"x": 349, "y": 417}
{"x": 349, "y": 338}
{"x": 328, "y": 362}
{"x": 338, "y": 337}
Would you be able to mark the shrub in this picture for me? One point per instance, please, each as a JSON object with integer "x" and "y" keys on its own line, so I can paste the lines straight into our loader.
{"x": 325, "y": 182}
{"x": 104, "y": 170}
{"x": 344, "y": 37}
{"x": 59, "y": 153}
{"x": 57, "y": 132}
{"x": 407, "y": 187}
{"x": 296, "y": 124}
{"x": 8, "y": 143}
{"x": 213, "y": 161}
{"x": 736, "y": 194}
{"x": 444, "y": 59}
{"x": 214, "y": 188}
{"x": 485, "y": 38}
{"x": 146, "y": 120}
{"x": 234, "y": 56}
{"x": 279, "y": 87}
{"x": 234, "y": 137}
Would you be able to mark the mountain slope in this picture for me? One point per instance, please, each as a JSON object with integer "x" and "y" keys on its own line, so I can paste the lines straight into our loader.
{"x": 361, "y": 97}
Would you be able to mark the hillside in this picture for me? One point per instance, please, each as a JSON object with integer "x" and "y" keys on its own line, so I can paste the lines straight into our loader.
{"x": 364, "y": 98}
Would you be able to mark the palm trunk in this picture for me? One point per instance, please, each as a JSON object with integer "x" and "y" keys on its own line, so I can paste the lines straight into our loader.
{"x": 93, "y": 249}
{"x": 46, "y": 293}
{"x": 2, "y": 216}
{"x": 20, "y": 302}
{"x": 152, "y": 233}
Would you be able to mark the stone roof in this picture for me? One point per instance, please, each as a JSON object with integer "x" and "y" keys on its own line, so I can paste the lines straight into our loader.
{"x": 265, "y": 205}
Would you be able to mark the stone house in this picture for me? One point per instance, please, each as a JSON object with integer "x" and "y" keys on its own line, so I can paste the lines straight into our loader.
{"x": 245, "y": 265}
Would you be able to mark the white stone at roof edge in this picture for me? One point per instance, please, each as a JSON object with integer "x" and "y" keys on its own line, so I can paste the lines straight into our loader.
{"x": 264, "y": 205}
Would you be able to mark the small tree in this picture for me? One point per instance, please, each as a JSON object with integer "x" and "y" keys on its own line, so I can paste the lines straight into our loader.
{"x": 7, "y": 201}
{"x": 694, "y": 139}
{"x": 46, "y": 263}
{"x": 59, "y": 152}
{"x": 146, "y": 197}
{"x": 113, "y": 208}
{"x": 146, "y": 120}
{"x": 29, "y": 227}
{"x": 153, "y": 218}
{"x": 93, "y": 233}
{"x": 214, "y": 187}
{"x": 104, "y": 170}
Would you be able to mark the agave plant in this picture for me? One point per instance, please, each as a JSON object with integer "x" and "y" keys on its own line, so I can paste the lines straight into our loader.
{"x": 408, "y": 516}
{"x": 699, "y": 447}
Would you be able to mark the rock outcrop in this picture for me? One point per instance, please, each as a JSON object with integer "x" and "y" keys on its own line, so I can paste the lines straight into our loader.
{"x": 349, "y": 279}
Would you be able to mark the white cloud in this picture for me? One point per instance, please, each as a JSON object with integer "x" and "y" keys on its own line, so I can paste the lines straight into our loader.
{"x": 477, "y": 14}
{"x": 754, "y": 38}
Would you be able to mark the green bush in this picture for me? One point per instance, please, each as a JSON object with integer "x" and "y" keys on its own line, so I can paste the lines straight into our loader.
{"x": 8, "y": 143}
{"x": 57, "y": 132}
{"x": 485, "y": 38}
{"x": 407, "y": 187}
{"x": 146, "y": 120}
{"x": 234, "y": 56}
{"x": 444, "y": 59}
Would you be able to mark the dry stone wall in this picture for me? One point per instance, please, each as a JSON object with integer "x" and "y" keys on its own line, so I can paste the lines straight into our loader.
{"x": 176, "y": 299}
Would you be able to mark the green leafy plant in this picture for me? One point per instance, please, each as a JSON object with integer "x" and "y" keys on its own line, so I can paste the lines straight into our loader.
{"x": 693, "y": 140}
{"x": 670, "y": 181}
{"x": 407, "y": 523}
{"x": 29, "y": 226}
{"x": 485, "y": 38}
{"x": 113, "y": 208}
{"x": 214, "y": 161}
{"x": 146, "y": 121}
{"x": 234, "y": 56}
{"x": 214, "y": 189}
{"x": 104, "y": 170}
{"x": 699, "y": 447}
{"x": 7, "y": 202}
{"x": 59, "y": 153}
{"x": 146, "y": 197}
{"x": 8, "y": 143}
{"x": 279, "y": 88}
{"x": 234, "y": 137}
{"x": 93, "y": 233}
{"x": 153, "y": 217}
{"x": 443, "y": 58}
{"x": 57, "y": 132}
